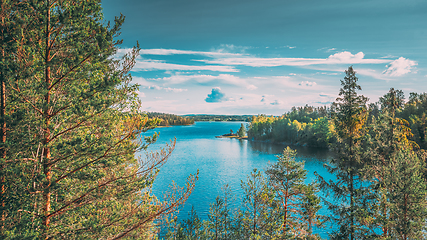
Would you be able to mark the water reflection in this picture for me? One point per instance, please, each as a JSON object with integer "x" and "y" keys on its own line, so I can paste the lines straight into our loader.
{"x": 318, "y": 154}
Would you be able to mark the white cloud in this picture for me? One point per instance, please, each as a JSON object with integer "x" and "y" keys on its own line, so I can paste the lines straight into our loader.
{"x": 227, "y": 48}
{"x": 290, "y": 47}
{"x": 167, "y": 89}
{"x": 140, "y": 94}
{"x": 307, "y": 83}
{"x": 251, "y": 87}
{"x": 400, "y": 67}
{"x": 346, "y": 57}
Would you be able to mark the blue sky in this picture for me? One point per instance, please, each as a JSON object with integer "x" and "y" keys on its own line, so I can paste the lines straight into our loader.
{"x": 253, "y": 57}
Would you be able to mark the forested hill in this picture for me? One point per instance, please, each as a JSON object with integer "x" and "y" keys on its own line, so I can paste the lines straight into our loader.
{"x": 206, "y": 117}
{"x": 170, "y": 119}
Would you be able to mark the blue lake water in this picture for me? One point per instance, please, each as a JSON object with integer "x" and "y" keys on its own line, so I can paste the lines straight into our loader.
{"x": 221, "y": 161}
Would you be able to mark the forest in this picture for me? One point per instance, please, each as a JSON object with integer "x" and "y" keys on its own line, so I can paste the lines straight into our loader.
{"x": 71, "y": 125}
{"x": 314, "y": 127}
{"x": 167, "y": 119}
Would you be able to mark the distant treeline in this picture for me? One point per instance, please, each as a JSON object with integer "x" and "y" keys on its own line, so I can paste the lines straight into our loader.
{"x": 167, "y": 119}
{"x": 203, "y": 117}
{"x": 313, "y": 127}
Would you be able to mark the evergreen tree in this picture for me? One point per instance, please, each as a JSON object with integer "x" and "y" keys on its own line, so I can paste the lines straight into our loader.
{"x": 72, "y": 171}
{"x": 242, "y": 131}
{"x": 349, "y": 120}
{"x": 387, "y": 145}
{"x": 407, "y": 196}
{"x": 259, "y": 218}
{"x": 310, "y": 206}
{"x": 287, "y": 176}
{"x": 220, "y": 218}
{"x": 298, "y": 202}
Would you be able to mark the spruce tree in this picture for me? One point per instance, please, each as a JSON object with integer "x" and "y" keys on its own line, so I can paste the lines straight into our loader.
{"x": 347, "y": 190}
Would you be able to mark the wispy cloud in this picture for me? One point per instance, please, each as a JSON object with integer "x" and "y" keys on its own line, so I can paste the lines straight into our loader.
{"x": 200, "y": 78}
{"x": 275, "y": 103}
{"x": 161, "y": 51}
{"x": 251, "y": 87}
{"x": 337, "y": 58}
{"x": 307, "y": 83}
{"x": 290, "y": 47}
{"x": 150, "y": 64}
{"x": 167, "y": 89}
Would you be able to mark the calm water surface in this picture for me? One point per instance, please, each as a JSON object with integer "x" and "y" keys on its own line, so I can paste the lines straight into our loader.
{"x": 221, "y": 161}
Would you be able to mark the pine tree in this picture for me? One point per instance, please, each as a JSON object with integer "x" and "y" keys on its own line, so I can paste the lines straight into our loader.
{"x": 259, "y": 218}
{"x": 287, "y": 176}
{"x": 310, "y": 206}
{"x": 298, "y": 202}
{"x": 72, "y": 171}
{"x": 220, "y": 217}
{"x": 348, "y": 191}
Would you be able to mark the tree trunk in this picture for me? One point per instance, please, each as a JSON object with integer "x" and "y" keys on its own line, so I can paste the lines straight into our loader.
{"x": 46, "y": 138}
{"x": 3, "y": 131}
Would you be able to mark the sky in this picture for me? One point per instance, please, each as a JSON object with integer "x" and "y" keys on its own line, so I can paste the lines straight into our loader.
{"x": 264, "y": 57}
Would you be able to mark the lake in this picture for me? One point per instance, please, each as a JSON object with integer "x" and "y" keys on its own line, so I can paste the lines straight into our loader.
{"x": 221, "y": 161}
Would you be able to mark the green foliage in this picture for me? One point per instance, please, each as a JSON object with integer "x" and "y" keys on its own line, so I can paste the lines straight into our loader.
{"x": 302, "y": 126}
{"x": 414, "y": 111}
{"x": 259, "y": 214}
{"x": 242, "y": 131}
{"x": 220, "y": 217}
{"x": 287, "y": 176}
{"x": 71, "y": 169}
{"x": 170, "y": 119}
{"x": 348, "y": 190}
{"x": 298, "y": 202}
{"x": 407, "y": 196}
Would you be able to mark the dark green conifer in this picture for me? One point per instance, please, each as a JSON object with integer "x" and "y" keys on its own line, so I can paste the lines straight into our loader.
{"x": 347, "y": 190}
